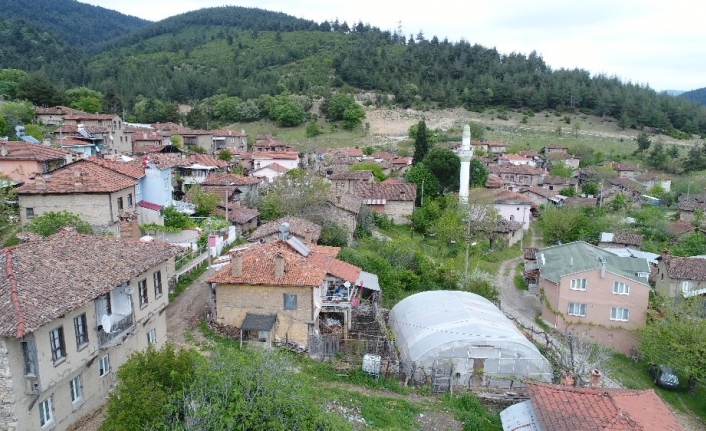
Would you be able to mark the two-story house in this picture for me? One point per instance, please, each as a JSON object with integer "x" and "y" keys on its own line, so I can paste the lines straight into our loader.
{"x": 189, "y": 137}
{"x": 560, "y": 183}
{"x": 393, "y": 200}
{"x": 72, "y": 309}
{"x": 518, "y": 177}
{"x": 584, "y": 288}
{"x": 268, "y": 144}
{"x": 233, "y": 186}
{"x": 553, "y": 149}
{"x": 346, "y": 181}
{"x": 287, "y": 159}
{"x": 304, "y": 230}
{"x": 199, "y": 166}
{"x": 98, "y": 194}
{"x": 680, "y": 276}
{"x": 107, "y": 127}
{"x": 21, "y": 160}
{"x": 223, "y": 139}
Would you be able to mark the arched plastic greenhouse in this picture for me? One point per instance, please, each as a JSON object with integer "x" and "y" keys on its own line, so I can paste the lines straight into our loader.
{"x": 468, "y": 334}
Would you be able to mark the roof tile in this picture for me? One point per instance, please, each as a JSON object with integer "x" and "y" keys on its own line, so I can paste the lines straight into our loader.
{"x": 79, "y": 177}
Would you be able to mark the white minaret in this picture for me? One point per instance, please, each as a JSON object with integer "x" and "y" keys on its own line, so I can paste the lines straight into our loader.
{"x": 465, "y": 155}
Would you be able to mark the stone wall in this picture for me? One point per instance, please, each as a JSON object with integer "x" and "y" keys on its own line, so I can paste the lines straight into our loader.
{"x": 8, "y": 418}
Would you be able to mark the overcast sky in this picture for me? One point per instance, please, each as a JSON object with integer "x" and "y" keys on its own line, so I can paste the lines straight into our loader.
{"x": 660, "y": 43}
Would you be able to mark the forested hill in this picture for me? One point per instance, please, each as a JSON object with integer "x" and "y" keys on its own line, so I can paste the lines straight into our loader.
{"x": 79, "y": 24}
{"x": 698, "y": 95}
{"x": 244, "y": 53}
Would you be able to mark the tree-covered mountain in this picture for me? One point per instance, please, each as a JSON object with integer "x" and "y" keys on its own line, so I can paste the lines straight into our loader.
{"x": 79, "y": 24}
{"x": 243, "y": 53}
{"x": 698, "y": 95}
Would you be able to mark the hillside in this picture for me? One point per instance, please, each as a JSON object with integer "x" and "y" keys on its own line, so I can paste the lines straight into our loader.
{"x": 698, "y": 95}
{"x": 79, "y": 24}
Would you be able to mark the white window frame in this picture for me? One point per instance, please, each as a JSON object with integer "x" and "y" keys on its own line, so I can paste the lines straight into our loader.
{"x": 578, "y": 284}
{"x": 152, "y": 337}
{"x": 76, "y": 390}
{"x": 103, "y": 366}
{"x": 620, "y": 288}
{"x": 686, "y": 286}
{"x": 581, "y": 309}
{"x": 46, "y": 414}
{"x": 624, "y": 314}
{"x": 137, "y": 191}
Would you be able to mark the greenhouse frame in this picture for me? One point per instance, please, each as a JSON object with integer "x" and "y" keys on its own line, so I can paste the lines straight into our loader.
{"x": 467, "y": 334}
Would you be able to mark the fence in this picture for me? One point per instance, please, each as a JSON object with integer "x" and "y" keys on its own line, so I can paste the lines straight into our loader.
{"x": 188, "y": 256}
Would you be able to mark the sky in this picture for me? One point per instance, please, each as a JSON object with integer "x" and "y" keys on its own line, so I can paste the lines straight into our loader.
{"x": 660, "y": 43}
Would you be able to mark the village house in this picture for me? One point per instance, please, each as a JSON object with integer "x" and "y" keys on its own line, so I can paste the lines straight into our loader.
{"x": 687, "y": 208}
{"x": 393, "y": 200}
{"x": 518, "y": 177}
{"x": 567, "y": 160}
{"x": 243, "y": 218}
{"x": 619, "y": 240}
{"x": 53, "y": 116}
{"x": 235, "y": 187}
{"x": 343, "y": 209}
{"x": 679, "y": 228}
{"x": 87, "y": 142}
{"x": 67, "y": 324}
{"x": 304, "y": 230}
{"x": 269, "y": 172}
{"x": 278, "y": 290}
{"x": 478, "y": 147}
{"x": 560, "y": 183}
{"x": 562, "y": 408}
{"x": 541, "y": 196}
{"x": 513, "y": 206}
{"x": 346, "y": 181}
{"x": 509, "y": 232}
{"x": 495, "y": 147}
{"x": 624, "y": 170}
{"x": 553, "y": 149}
{"x": 98, "y": 194}
{"x": 286, "y": 159}
{"x": 107, "y": 127}
{"x": 148, "y": 139}
{"x": 268, "y": 144}
{"x": 21, "y": 160}
{"x": 197, "y": 168}
{"x": 517, "y": 160}
{"x": 495, "y": 182}
{"x": 400, "y": 165}
{"x": 189, "y": 137}
{"x": 223, "y": 139}
{"x": 680, "y": 276}
{"x": 652, "y": 179}
{"x": 584, "y": 288}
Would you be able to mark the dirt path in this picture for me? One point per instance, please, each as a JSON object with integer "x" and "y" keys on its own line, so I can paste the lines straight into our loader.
{"x": 186, "y": 311}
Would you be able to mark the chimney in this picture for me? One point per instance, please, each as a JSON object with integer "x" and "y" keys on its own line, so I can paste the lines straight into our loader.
{"x": 567, "y": 378}
{"x": 402, "y": 195}
{"x": 3, "y": 150}
{"x": 571, "y": 261}
{"x": 236, "y": 264}
{"x": 665, "y": 253}
{"x": 40, "y": 183}
{"x": 279, "y": 265}
{"x": 602, "y": 268}
{"x": 78, "y": 183}
{"x": 284, "y": 231}
{"x": 595, "y": 379}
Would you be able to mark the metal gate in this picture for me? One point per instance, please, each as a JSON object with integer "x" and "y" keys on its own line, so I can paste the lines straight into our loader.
{"x": 440, "y": 380}
{"x": 323, "y": 345}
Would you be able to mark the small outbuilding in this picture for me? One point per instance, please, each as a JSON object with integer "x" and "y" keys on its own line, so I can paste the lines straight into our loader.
{"x": 467, "y": 334}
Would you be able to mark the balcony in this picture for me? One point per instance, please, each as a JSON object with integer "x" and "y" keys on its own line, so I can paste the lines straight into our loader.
{"x": 119, "y": 325}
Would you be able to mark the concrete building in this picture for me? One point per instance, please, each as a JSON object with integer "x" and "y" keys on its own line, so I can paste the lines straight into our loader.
{"x": 21, "y": 160}
{"x": 72, "y": 309}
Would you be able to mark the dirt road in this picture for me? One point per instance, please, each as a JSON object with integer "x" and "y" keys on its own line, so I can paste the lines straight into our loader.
{"x": 186, "y": 311}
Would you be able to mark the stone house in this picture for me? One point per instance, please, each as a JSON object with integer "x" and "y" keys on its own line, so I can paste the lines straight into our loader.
{"x": 236, "y": 187}
{"x": 393, "y": 200}
{"x": 400, "y": 165}
{"x": 584, "y": 288}
{"x": 268, "y": 144}
{"x": 98, "y": 194}
{"x": 229, "y": 139}
{"x": 518, "y": 176}
{"x": 553, "y": 149}
{"x": 625, "y": 171}
{"x": 542, "y": 196}
{"x": 53, "y": 116}
{"x": 243, "y": 218}
{"x": 304, "y": 230}
{"x": 508, "y": 231}
{"x": 346, "y": 181}
{"x": 619, "y": 240}
{"x": 189, "y": 137}
{"x": 21, "y": 160}
{"x": 685, "y": 276}
{"x": 107, "y": 127}
{"x": 287, "y": 284}
{"x": 198, "y": 167}
{"x": 495, "y": 147}
{"x": 68, "y": 323}
{"x": 651, "y": 179}
{"x": 344, "y": 209}
{"x": 148, "y": 139}
{"x": 560, "y": 183}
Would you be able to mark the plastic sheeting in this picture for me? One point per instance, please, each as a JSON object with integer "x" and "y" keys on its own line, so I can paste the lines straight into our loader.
{"x": 464, "y": 331}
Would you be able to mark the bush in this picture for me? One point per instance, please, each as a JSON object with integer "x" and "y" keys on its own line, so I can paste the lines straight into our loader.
{"x": 51, "y": 222}
{"x": 312, "y": 129}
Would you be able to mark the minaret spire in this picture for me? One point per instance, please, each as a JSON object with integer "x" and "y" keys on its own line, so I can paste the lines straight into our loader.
{"x": 465, "y": 155}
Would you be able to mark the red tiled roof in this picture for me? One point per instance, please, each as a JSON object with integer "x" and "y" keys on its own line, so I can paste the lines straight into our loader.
{"x": 351, "y": 175}
{"x": 516, "y": 157}
{"x": 680, "y": 227}
{"x": 402, "y": 161}
{"x": 545, "y": 193}
{"x": 627, "y": 239}
{"x": 393, "y": 180}
{"x": 324, "y": 249}
{"x": 624, "y": 167}
{"x": 509, "y": 168}
{"x": 223, "y": 179}
{"x": 494, "y": 181}
{"x": 55, "y": 110}
{"x": 127, "y": 169}
{"x": 258, "y": 268}
{"x": 555, "y": 147}
{"x": 150, "y": 206}
{"x": 45, "y": 279}
{"x": 275, "y": 167}
{"x": 20, "y": 150}
{"x": 236, "y": 213}
{"x": 337, "y": 268}
{"x": 297, "y": 226}
{"x": 383, "y": 155}
{"x": 387, "y": 191}
{"x": 281, "y": 155}
{"x": 558, "y": 181}
{"x": 228, "y": 133}
{"x": 561, "y": 408}
{"x": 684, "y": 268}
{"x": 78, "y": 116}
{"x": 506, "y": 196}
{"x": 204, "y": 160}
{"x": 79, "y": 177}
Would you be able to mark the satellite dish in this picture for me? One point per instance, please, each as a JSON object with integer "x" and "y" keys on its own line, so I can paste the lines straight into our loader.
{"x": 107, "y": 323}
{"x": 347, "y": 284}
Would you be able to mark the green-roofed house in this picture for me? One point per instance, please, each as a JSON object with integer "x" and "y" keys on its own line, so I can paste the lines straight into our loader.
{"x": 584, "y": 288}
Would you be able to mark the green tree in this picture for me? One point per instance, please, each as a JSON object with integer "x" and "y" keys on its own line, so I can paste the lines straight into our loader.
{"x": 176, "y": 220}
{"x": 39, "y": 90}
{"x": 427, "y": 184}
{"x": 421, "y": 143}
{"x": 477, "y": 130}
{"x": 412, "y": 133}
{"x": 289, "y": 115}
{"x": 205, "y": 203}
{"x": 333, "y": 234}
{"x": 673, "y": 153}
{"x": 559, "y": 169}
{"x": 619, "y": 202}
{"x": 678, "y": 339}
{"x": 446, "y": 167}
{"x": 658, "y": 157}
{"x": 335, "y": 107}
{"x": 695, "y": 159}
{"x": 643, "y": 143}
{"x": 51, "y": 222}
{"x": 34, "y": 131}
{"x": 297, "y": 193}
{"x": 224, "y": 155}
{"x": 353, "y": 116}
{"x": 312, "y": 129}
{"x": 478, "y": 174}
{"x": 370, "y": 166}
{"x": 84, "y": 99}
{"x": 589, "y": 189}
{"x": 149, "y": 386}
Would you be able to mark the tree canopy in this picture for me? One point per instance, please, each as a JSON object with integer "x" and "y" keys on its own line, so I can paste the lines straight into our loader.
{"x": 446, "y": 167}
{"x": 51, "y": 222}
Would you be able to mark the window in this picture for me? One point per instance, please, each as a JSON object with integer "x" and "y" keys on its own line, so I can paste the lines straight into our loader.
{"x": 578, "y": 284}
{"x": 576, "y": 309}
{"x": 290, "y": 301}
{"x": 142, "y": 288}
{"x": 76, "y": 390}
{"x": 137, "y": 189}
{"x": 620, "y": 288}
{"x": 56, "y": 339}
{"x": 166, "y": 184}
{"x": 152, "y": 336}
{"x": 46, "y": 414}
{"x": 81, "y": 330}
{"x": 103, "y": 366}
{"x": 29, "y": 212}
{"x": 120, "y": 204}
{"x": 157, "y": 278}
{"x": 512, "y": 217}
{"x": 29, "y": 357}
{"x": 622, "y": 314}
{"x": 129, "y": 200}
{"x": 685, "y": 286}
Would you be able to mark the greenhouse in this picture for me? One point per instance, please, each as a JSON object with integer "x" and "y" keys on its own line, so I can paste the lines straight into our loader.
{"x": 468, "y": 336}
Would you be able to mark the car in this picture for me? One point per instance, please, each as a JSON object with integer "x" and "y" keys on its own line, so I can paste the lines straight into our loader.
{"x": 664, "y": 376}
